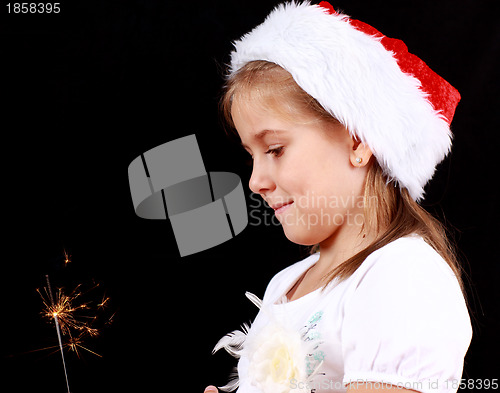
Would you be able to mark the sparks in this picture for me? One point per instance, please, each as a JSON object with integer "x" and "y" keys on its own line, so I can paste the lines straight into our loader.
{"x": 66, "y": 258}
{"x": 74, "y": 343}
{"x": 74, "y": 318}
{"x": 61, "y": 306}
{"x": 104, "y": 302}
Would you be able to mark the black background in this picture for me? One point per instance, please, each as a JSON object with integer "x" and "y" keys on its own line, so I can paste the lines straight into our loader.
{"x": 89, "y": 89}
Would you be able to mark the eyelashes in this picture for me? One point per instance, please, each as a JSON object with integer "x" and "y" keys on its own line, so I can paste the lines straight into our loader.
{"x": 277, "y": 151}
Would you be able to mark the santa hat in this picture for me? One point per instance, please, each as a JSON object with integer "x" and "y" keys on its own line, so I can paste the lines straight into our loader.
{"x": 388, "y": 98}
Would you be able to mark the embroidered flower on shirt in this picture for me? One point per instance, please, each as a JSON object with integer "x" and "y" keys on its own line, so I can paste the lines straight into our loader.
{"x": 316, "y": 356}
{"x": 316, "y": 317}
{"x": 277, "y": 355}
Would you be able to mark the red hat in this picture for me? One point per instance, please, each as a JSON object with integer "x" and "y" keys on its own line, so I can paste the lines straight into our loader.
{"x": 443, "y": 96}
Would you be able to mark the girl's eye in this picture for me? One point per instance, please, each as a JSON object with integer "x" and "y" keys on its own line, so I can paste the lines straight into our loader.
{"x": 277, "y": 151}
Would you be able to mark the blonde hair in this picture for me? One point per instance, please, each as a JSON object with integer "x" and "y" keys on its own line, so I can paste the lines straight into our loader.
{"x": 395, "y": 214}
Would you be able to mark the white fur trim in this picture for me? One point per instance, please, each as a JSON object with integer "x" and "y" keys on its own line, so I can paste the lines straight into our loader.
{"x": 359, "y": 82}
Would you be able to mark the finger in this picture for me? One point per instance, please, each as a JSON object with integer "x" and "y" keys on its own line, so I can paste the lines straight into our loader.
{"x": 211, "y": 389}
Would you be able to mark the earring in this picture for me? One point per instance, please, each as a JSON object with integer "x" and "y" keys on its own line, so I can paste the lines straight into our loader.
{"x": 359, "y": 160}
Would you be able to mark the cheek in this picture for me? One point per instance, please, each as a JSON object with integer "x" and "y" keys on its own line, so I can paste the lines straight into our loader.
{"x": 325, "y": 199}
{"x": 323, "y": 175}
{"x": 292, "y": 175}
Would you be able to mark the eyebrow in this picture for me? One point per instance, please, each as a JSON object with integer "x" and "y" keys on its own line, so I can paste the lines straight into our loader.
{"x": 261, "y": 134}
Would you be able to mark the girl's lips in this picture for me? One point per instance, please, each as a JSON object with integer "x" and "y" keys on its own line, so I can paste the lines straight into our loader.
{"x": 280, "y": 209}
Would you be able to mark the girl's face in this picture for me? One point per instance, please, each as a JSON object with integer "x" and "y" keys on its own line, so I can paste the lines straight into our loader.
{"x": 306, "y": 171}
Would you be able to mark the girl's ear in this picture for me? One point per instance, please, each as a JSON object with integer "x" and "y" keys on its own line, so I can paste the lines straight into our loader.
{"x": 360, "y": 153}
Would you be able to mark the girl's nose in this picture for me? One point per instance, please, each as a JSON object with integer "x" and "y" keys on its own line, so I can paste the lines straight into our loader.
{"x": 261, "y": 181}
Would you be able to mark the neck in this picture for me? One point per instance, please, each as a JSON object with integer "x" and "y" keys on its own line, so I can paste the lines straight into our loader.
{"x": 344, "y": 243}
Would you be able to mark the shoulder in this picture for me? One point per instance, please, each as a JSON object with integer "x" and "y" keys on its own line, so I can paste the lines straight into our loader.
{"x": 407, "y": 283}
{"x": 286, "y": 277}
{"x": 407, "y": 258}
{"x": 407, "y": 273}
{"x": 408, "y": 247}
{"x": 405, "y": 316}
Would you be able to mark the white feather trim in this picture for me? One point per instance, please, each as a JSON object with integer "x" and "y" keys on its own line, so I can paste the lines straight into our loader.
{"x": 233, "y": 342}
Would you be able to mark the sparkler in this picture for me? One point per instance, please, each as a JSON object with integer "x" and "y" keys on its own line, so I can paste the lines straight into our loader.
{"x": 60, "y": 308}
{"x": 55, "y": 312}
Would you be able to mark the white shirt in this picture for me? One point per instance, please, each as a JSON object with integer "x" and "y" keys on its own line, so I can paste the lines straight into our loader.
{"x": 400, "y": 319}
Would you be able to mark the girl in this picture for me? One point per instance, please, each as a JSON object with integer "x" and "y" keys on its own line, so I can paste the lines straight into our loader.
{"x": 345, "y": 128}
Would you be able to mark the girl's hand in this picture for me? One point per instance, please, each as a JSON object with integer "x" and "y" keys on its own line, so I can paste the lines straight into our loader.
{"x": 211, "y": 389}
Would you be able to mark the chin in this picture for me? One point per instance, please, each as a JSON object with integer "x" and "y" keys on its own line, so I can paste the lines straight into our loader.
{"x": 304, "y": 236}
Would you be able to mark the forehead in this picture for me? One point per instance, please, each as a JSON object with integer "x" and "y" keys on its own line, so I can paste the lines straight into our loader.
{"x": 278, "y": 100}
{"x": 255, "y": 122}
